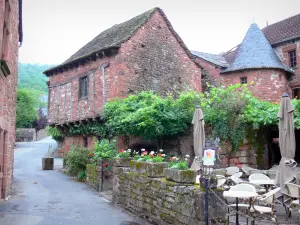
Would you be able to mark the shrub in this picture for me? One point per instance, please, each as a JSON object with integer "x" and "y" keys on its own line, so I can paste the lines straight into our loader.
{"x": 105, "y": 149}
{"x": 81, "y": 176}
{"x": 76, "y": 159}
{"x": 54, "y": 133}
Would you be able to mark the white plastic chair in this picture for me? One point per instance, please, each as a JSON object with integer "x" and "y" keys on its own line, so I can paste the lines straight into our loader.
{"x": 221, "y": 171}
{"x": 258, "y": 176}
{"x": 267, "y": 199}
{"x": 271, "y": 173}
{"x": 232, "y": 170}
{"x": 247, "y": 169}
{"x": 236, "y": 178}
{"x": 293, "y": 191}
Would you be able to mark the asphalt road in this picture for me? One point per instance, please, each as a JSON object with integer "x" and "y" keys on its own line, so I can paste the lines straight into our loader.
{"x": 52, "y": 198}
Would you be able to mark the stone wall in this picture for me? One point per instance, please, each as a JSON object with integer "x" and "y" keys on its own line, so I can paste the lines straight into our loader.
{"x": 161, "y": 201}
{"x": 282, "y": 51}
{"x": 265, "y": 84}
{"x": 25, "y": 135}
{"x": 94, "y": 175}
{"x": 8, "y": 84}
{"x": 153, "y": 59}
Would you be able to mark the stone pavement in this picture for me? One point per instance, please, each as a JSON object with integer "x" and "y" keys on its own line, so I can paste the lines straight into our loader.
{"x": 52, "y": 198}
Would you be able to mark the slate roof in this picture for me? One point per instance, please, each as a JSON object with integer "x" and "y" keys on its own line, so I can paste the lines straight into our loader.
{"x": 218, "y": 60}
{"x": 284, "y": 30}
{"x": 255, "y": 52}
{"x": 116, "y": 35}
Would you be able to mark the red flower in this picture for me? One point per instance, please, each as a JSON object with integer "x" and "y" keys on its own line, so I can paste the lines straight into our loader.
{"x": 160, "y": 155}
{"x": 105, "y": 165}
{"x": 121, "y": 150}
{"x": 172, "y": 158}
{"x": 91, "y": 154}
{"x": 152, "y": 156}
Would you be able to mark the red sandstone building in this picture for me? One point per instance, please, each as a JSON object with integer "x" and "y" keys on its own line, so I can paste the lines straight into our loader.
{"x": 267, "y": 58}
{"x": 144, "y": 53}
{"x": 10, "y": 37}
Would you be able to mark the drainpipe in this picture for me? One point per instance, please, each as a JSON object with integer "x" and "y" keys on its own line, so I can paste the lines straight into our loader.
{"x": 102, "y": 68}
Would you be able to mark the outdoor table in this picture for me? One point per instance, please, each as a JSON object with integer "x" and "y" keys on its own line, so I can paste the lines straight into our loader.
{"x": 263, "y": 182}
{"x": 237, "y": 195}
{"x": 266, "y": 183}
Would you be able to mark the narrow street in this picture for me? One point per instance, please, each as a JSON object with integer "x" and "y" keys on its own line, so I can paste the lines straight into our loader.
{"x": 52, "y": 198}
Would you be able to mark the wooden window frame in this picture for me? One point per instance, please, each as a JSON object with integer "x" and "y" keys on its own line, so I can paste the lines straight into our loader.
{"x": 292, "y": 58}
{"x": 83, "y": 87}
{"x": 298, "y": 92}
{"x": 243, "y": 80}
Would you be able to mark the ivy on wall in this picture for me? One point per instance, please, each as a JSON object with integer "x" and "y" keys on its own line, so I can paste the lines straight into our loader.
{"x": 232, "y": 112}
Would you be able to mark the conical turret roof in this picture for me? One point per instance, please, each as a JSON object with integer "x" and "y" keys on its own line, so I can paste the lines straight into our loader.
{"x": 255, "y": 52}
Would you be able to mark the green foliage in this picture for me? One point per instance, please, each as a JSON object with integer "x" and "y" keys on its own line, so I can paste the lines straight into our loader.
{"x": 95, "y": 129}
{"x": 149, "y": 115}
{"x": 124, "y": 154}
{"x": 54, "y": 133}
{"x": 225, "y": 114}
{"x": 26, "y": 111}
{"x": 76, "y": 159}
{"x": 105, "y": 149}
{"x": 158, "y": 159}
{"x": 31, "y": 76}
{"x": 81, "y": 176}
{"x": 179, "y": 165}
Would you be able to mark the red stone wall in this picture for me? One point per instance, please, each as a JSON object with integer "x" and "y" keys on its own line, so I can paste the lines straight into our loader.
{"x": 151, "y": 60}
{"x": 282, "y": 51}
{"x": 8, "y": 100}
{"x": 210, "y": 72}
{"x": 265, "y": 84}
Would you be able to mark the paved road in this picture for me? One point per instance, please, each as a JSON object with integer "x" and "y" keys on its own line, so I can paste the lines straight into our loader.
{"x": 52, "y": 198}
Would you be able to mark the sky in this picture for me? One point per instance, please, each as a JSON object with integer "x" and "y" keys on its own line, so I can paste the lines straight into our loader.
{"x": 56, "y": 29}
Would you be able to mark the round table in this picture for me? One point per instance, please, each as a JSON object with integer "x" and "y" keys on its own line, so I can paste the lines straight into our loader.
{"x": 263, "y": 182}
{"x": 237, "y": 195}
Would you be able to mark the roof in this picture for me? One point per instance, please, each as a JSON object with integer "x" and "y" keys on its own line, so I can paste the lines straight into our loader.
{"x": 218, "y": 60}
{"x": 255, "y": 52}
{"x": 115, "y": 36}
{"x": 284, "y": 30}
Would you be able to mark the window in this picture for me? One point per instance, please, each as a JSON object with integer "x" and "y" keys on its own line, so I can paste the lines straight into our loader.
{"x": 83, "y": 87}
{"x": 243, "y": 80}
{"x": 85, "y": 142}
{"x": 6, "y": 31}
{"x": 296, "y": 93}
{"x": 293, "y": 58}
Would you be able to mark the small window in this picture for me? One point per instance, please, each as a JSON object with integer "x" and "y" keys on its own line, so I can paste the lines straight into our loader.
{"x": 83, "y": 87}
{"x": 293, "y": 58}
{"x": 85, "y": 142}
{"x": 243, "y": 80}
{"x": 296, "y": 93}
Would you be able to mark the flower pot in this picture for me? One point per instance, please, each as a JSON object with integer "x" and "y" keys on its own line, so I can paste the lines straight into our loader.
{"x": 149, "y": 169}
{"x": 122, "y": 162}
{"x": 180, "y": 176}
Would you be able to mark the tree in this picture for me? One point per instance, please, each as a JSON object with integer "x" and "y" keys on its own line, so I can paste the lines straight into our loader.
{"x": 26, "y": 108}
{"x": 41, "y": 122}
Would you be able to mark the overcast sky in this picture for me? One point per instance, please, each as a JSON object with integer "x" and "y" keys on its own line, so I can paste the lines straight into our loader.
{"x": 55, "y": 29}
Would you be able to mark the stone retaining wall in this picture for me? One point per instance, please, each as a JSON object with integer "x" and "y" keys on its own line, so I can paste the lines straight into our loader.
{"x": 94, "y": 175}
{"x": 161, "y": 201}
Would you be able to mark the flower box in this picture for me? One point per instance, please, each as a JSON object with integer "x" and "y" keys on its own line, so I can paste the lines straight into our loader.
{"x": 122, "y": 162}
{"x": 180, "y": 176}
{"x": 149, "y": 169}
